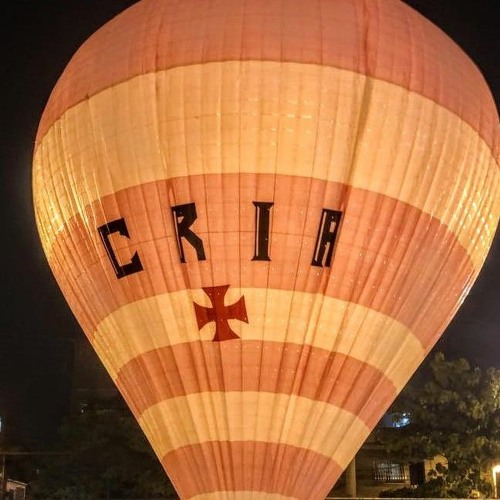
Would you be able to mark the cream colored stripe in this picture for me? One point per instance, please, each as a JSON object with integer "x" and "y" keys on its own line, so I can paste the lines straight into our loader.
{"x": 241, "y": 495}
{"x": 284, "y": 118}
{"x": 254, "y": 416}
{"x": 277, "y": 315}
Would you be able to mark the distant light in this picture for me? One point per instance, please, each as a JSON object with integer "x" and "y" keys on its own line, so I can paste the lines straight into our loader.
{"x": 495, "y": 470}
{"x": 395, "y": 420}
{"x": 401, "y": 419}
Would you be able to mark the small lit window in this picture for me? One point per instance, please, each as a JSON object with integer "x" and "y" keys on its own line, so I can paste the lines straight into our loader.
{"x": 388, "y": 472}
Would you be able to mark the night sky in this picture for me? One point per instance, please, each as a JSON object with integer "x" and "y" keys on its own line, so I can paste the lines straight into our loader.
{"x": 36, "y": 327}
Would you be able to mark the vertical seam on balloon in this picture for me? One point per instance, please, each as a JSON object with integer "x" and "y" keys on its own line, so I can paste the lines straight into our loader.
{"x": 239, "y": 131}
{"x": 277, "y": 150}
{"x": 331, "y": 274}
{"x": 366, "y": 95}
{"x": 185, "y": 274}
{"x": 272, "y": 222}
{"x": 279, "y": 455}
{"x": 359, "y": 128}
{"x": 216, "y": 279}
{"x": 394, "y": 246}
{"x": 98, "y": 207}
{"x": 319, "y": 296}
{"x": 311, "y": 269}
{"x": 258, "y": 149}
{"x": 164, "y": 162}
{"x": 229, "y": 458}
{"x": 427, "y": 192}
{"x": 429, "y": 342}
{"x": 168, "y": 184}
{"x": 434, "y": 236}
{"x": 479, "y": 184}
{"x": 389, "y": 253}
{"x": 71, "y": 198}
{"x": 215, "y": 448}
{"x": 365, "y": 98}
{"x": 130, "y": 292}
{"x": 197, "y": 98}
{"x": 284, "y": 348}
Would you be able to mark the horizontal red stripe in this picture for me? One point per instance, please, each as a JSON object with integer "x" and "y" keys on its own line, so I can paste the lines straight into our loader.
{"x": 256, "y": 366}
{"x": 251, "y": 466}
{"x": 390, "y": 256}
{"x": 384, "y": 39}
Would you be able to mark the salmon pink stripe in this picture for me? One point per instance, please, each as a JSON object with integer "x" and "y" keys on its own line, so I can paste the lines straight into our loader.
{"x": 389, "y": 257}
{"x": 275, "y": 315}
{"x": 241, "y": 495}
{"x": 251, "y": 466}
{"x": 256, "y": 366}
{"x": 384, "y": 39}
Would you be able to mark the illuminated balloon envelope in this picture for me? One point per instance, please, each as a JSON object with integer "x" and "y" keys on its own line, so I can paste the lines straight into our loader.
{"x": 264, "y": 214}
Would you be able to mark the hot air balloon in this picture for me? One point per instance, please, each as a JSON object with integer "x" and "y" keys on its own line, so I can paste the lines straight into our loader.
{"x": 263, "y": 215}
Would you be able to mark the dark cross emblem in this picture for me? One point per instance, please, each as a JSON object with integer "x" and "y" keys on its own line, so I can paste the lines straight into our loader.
{"x": 220, "y": 313}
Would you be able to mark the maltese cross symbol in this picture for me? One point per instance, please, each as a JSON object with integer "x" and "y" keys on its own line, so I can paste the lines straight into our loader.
{"x": 220, "y": 313}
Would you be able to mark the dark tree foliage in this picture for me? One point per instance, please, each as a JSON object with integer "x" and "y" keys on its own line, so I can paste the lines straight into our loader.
{"x": 454, "y": 412}
{"x": 106, "y": 456}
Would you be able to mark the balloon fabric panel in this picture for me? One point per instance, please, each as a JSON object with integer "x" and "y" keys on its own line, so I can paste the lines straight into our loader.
{"x": 264, "y": 214}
